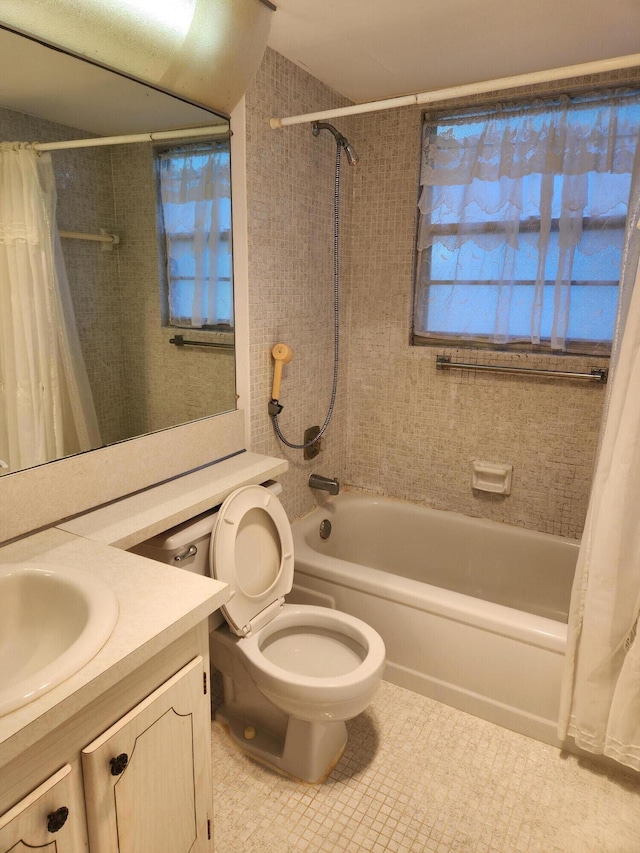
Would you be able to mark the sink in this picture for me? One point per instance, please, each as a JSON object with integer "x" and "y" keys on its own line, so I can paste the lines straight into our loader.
{"x": 53, "y": 621}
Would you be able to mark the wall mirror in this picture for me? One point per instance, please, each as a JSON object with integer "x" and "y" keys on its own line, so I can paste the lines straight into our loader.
{"x": 140, "y": 381}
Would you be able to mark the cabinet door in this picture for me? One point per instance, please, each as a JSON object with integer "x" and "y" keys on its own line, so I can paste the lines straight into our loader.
{"x": 49, "y": 819}
{"x": 147, "y": 779}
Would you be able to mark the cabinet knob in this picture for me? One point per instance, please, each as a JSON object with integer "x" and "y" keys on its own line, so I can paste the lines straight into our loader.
{"x": 57, "y": 819}
{"x": 119, "y": 763}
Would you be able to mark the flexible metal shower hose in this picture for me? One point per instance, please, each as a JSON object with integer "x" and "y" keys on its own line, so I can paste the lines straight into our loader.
{"x": 336, "y": 315}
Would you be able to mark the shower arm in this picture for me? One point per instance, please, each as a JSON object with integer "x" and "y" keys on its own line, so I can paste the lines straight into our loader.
{"x": 341, "y": 141}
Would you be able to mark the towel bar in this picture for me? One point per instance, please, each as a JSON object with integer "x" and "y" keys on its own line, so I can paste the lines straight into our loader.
{"x": 597, "y": 374}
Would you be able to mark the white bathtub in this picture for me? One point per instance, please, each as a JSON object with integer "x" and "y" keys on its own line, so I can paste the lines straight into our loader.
{"x": 473, "y": 613}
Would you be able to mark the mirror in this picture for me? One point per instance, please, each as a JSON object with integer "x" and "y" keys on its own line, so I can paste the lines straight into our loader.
{"x": 140, "y": 381}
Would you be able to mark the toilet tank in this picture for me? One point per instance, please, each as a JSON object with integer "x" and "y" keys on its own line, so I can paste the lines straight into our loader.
{"x": 185, "y": 546}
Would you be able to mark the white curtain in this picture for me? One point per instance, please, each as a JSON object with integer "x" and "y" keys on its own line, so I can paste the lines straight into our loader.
{"x": 46, "y": 408}
{"x": 195, "y": 185}
{"x": 505, "y": 199}
{"x": 600, "y": 704}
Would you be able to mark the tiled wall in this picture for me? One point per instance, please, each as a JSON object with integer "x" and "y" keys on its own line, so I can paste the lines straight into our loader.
{"x": 85, "y": 191}
{"x": 414, "y": 431}
{"x": 401, "y": 428}
{"x": 290, "y": 175}
{"x": 166, "y": 385}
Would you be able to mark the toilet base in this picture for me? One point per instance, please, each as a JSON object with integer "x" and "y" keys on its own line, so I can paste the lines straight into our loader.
{"x": 307, "y": 752}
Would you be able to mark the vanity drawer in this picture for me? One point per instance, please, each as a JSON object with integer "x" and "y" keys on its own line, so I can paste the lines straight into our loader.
{"x": 51, "y": 817}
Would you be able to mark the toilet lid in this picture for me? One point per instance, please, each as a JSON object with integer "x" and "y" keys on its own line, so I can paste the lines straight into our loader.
{"x": 252, "y": 551}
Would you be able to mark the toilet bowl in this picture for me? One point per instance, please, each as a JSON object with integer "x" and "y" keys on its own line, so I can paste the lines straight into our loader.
{"x": 316, "y": 663}
{"x": 292, "y": 674}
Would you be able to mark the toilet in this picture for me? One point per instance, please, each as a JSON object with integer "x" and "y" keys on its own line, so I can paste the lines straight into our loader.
{"x": 292, "y": 673}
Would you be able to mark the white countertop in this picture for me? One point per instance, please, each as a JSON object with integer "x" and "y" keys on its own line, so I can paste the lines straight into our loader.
{"x": 131, "y": 520}
{"x": 158, "y": 603}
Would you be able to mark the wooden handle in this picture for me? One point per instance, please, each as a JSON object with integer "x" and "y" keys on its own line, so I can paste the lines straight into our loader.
{"x": 282, "y": 354}
{"x": 277, "y": 377}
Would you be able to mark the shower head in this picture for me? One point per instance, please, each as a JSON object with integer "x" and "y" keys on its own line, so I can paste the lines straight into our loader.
{"x": 349, "y": 150}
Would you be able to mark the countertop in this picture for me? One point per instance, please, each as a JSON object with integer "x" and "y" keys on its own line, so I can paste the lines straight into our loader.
{"x": 131, "y": 520}
{"x": 157, "y": 603}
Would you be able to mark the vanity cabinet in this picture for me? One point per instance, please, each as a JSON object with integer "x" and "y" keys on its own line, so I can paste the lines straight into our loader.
{"x": 135, "y": 765}
{"x": 50, "y": 818}
{"x": 145, "y": 778}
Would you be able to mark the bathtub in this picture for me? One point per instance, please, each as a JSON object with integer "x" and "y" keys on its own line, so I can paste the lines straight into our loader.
{"x": 473, "y": 613}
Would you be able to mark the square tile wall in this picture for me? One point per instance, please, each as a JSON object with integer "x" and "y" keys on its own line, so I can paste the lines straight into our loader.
{"x": 400, "y": 428}
{"x": 167, "y": 385}
{"x": 290, "y": 182}
{"x": 412, "y": 431}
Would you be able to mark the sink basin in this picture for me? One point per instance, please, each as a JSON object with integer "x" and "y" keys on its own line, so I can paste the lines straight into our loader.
{"x": 53, "y": 621}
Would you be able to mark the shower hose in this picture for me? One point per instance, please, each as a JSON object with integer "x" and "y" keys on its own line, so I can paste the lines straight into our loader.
{"x": 336, "y": 317}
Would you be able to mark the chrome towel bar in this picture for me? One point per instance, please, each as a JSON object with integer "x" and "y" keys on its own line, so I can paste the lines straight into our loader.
{"x": 179, "y": 341}
{"x": 597, "y": 374}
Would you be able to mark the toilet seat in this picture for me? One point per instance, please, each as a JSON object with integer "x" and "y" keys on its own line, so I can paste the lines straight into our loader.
{"x": 252, "y": 551}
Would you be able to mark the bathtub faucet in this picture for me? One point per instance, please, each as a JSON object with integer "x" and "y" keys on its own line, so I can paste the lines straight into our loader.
{"x": 328, "y": 484}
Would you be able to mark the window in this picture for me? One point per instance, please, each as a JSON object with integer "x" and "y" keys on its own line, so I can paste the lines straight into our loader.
{"x": 522, "y": 223}
{"x": 195, "y": 203}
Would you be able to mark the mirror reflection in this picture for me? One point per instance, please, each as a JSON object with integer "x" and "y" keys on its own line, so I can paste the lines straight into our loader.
{"x": 112, "y": 258}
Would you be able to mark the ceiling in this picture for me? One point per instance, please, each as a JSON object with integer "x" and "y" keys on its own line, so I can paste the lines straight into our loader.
{"x": 373, "y": 49}
{"x": 44, "y": 82}
{"x": 364, "y": 49}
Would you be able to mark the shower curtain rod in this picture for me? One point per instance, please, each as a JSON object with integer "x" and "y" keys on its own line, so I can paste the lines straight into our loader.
{"x": 93, "y": 142}
{"x": 501, "y": 83}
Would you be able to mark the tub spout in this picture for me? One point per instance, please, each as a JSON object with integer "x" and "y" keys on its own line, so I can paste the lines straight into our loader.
{"x": 328, "y": 484}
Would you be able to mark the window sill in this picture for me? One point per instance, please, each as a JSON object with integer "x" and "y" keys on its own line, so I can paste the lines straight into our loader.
{"x": 575, "y": 349}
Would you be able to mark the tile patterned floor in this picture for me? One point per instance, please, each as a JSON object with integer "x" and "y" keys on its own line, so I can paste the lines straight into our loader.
{"x": 420, "y": 776}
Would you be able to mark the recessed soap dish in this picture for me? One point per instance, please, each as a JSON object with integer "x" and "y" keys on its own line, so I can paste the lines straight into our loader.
{"x": 491, "y": 477}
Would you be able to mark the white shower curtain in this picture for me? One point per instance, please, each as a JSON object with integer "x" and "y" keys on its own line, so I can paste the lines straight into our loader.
{"x": 600, "y": 704}
{"x": 46, "y": 408}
